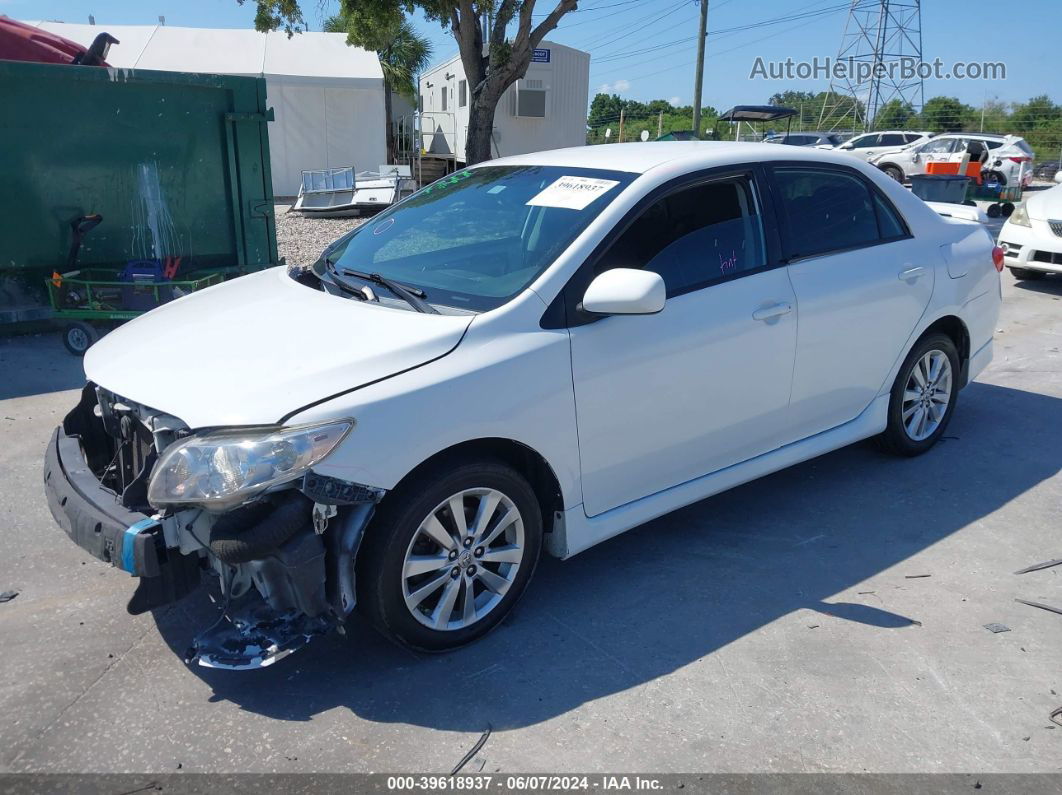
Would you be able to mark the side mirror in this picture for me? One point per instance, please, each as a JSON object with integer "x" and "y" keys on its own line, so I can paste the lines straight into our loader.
{"x": 625, "y": 291}
{"x": 848, "y": 145}
{"x": 1058, "y": 177}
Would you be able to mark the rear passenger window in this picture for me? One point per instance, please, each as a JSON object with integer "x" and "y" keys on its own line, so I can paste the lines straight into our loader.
{"x": 825, "y": 211}
{"x": 889, "y": 222}
{"x": 892, "y": 139}
{"x": 694, "y": 237}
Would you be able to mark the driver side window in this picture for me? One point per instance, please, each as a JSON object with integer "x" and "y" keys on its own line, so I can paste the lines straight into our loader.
{"x": 938, "y": 146}
{"x": 695, "y": 236}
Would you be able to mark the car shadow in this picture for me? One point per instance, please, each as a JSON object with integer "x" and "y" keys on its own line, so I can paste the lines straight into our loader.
{"x": 1049, "y": 285}
{"x": 666, "y": 594}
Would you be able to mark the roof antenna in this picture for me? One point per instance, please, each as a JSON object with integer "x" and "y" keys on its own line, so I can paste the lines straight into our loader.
{"x": 162, "y": 19}
{"x": 92, "y": 19}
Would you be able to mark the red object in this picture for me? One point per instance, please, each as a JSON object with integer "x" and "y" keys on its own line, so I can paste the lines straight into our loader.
{"x": 973, "y": 169}
{"x": 1020, "y": 159}
{"x": 997, "y": 258}
{"x": 22, "y": 42}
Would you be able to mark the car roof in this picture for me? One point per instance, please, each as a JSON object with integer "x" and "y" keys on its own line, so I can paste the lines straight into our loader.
{"x": 639, "y": 158}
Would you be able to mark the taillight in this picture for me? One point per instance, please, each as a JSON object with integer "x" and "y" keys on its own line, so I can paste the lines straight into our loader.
{"x": 997, "y": 258}
{"x": 1020, "y": 159}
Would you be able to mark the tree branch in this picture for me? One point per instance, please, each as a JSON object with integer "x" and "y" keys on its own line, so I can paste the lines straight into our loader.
{"x": 550, "y": 22}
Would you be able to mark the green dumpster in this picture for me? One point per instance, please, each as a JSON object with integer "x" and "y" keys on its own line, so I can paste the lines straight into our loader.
{"x": 176, "y": 164}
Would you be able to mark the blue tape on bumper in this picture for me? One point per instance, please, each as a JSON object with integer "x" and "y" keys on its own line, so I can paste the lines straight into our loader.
{"x": 128, "y": 543}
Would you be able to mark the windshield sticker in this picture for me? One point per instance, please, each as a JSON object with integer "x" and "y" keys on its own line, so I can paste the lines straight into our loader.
{"x": 572, "y": 193}
{"x": 497, "y": 189}
{"x": 446, "y": 182}
{"x": 382, "y": 227}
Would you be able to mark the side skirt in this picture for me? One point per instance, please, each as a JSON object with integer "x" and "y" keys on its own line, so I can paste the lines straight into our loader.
{"x": 583, "y": 532}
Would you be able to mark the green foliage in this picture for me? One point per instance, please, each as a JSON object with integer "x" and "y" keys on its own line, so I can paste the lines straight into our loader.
{"x": 403, "y": 54}
{"x": 278, "y": 14}
{"x": 894, "y": 115}
{"x": 653, "y": 116}
{"x": 945, "y": 114}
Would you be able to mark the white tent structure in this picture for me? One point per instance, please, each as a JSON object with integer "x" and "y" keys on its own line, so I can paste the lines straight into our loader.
{"x": 328, "y": 98}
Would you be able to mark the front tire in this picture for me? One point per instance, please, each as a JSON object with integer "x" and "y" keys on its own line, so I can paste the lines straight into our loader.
{"x": 449, "y": 553}
{"x": 923, "y": 397}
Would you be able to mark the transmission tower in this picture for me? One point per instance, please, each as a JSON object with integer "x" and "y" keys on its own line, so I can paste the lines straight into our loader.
{"x": 880, "y": 38}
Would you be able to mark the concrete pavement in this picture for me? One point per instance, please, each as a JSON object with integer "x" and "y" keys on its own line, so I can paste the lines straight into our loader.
{"x": 783, "y": 626}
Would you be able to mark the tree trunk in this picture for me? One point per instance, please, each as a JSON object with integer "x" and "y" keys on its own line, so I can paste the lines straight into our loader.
{"x": 480, "y": 128}
{"x": 389, "y": 136}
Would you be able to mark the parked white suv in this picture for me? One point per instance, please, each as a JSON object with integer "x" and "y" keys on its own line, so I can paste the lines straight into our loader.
{"x": 538, "y": 352}
{"x": 873, "y": 144}
{"x": 1009, "y": 160}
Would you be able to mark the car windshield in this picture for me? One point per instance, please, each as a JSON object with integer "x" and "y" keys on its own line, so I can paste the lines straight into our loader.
{"x": 477, "y": 238}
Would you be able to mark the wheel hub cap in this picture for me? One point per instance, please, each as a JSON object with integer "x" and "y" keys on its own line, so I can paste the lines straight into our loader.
{"x": 926, "y": 395}
{"x": 462, "y": 559}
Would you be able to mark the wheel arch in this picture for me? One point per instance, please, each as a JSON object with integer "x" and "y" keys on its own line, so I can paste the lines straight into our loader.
{"x": 954, "y": 327}
{"x": 524, "y": 459}
{"x": 889, "y": 164}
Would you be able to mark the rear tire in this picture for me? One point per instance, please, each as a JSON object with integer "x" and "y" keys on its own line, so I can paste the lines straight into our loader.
{"x": 78, "y": 337}
{"x": 923, "y": 397}
{"x": 1027, "y": 274}
{"x": 418, "y": 566}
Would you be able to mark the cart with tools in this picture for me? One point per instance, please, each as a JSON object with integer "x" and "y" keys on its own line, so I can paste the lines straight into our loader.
{"x": 91, "y": 301}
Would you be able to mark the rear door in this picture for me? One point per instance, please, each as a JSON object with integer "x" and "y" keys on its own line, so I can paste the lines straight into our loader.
{"x": 861, "y": 283}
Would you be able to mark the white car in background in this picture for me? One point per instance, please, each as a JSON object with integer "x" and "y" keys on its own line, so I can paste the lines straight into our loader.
{"x": 873, "y": 144}
{"x": 1009, "y": 160}
{"x": 538, "y": 352}
{"x": 1031, "y": 238}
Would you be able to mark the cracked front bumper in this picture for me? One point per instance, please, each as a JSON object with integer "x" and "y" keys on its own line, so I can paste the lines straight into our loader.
{"x": 98, "y": 523}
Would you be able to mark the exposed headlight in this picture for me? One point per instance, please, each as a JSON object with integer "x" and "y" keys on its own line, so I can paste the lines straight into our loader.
{"x": 221, "y": 469}
{"x": 1020, "y": 216}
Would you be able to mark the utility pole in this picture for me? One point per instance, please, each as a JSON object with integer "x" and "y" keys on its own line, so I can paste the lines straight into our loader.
{"x": 698, "y": 79}
{"x": 621, "y": 126}
{"x": 660, "y": 124}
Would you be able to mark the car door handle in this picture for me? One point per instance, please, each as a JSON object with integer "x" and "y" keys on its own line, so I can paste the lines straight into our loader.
{"x": 774, "y": 310}
{"x": 910, "y": 274}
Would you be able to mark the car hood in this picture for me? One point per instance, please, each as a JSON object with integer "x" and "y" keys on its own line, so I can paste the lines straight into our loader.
{"x": 255, "y": 349}
{"x": 1045, "y": 204}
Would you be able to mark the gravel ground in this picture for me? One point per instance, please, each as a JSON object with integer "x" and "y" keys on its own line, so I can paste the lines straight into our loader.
{"x": 300, "y": 239}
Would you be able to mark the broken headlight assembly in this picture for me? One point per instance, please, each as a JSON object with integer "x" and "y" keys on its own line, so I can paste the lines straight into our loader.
{"x": 222, "y": 469}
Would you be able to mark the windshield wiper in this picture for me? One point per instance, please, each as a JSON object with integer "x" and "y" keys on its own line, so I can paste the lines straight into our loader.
{"x": 342, "y": 286}
{"x": 411, "y": 295}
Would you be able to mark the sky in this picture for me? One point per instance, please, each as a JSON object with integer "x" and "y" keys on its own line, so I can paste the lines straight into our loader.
{"x": 646, "y": 49}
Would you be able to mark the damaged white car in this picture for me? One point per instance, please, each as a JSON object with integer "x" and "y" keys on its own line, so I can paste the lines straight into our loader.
{"x": 539, "y": 352}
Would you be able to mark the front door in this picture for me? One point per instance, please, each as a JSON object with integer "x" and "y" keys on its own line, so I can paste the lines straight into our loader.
{"x": 862, "y": 283}
{"x": 663, "y": 399}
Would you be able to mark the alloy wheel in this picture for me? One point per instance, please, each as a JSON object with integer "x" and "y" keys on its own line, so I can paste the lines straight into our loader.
{"x": 463, "y": 558}
{"x": 926, "y": 395}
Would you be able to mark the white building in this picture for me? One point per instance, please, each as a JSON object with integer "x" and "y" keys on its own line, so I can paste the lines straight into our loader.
{"x": 328, "y": 98}
{"x": 546, "y": 109}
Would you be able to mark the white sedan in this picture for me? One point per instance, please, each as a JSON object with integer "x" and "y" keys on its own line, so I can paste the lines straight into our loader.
{"x": 538, "y": 352}
{"x": 1031, "y": 238}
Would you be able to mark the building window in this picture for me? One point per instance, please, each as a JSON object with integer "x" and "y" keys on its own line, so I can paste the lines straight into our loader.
{"x": 443, "y": 94}
{"x": 462, "y": 94}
